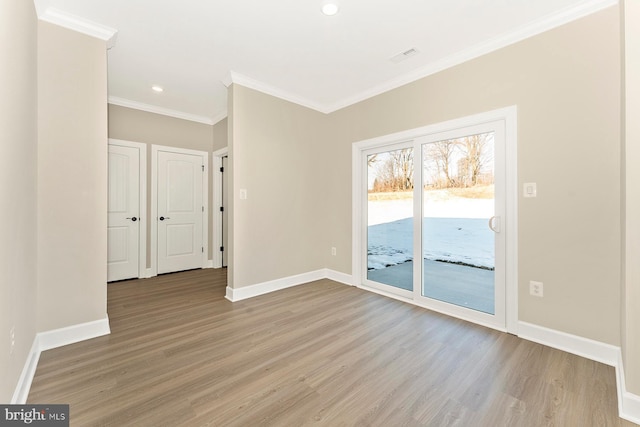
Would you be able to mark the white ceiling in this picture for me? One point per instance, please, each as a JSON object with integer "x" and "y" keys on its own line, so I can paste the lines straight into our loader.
{"x": 288, "y": 48}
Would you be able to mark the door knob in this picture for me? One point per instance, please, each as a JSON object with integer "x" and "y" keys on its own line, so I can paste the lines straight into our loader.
{"x": 162, "y": 218}
{"x": 134, "y": 219}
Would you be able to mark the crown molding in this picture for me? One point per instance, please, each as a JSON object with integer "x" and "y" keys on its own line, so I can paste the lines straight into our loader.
{"x": 537, "y": 27}
{"x": 76, "y": 23}
{"x": 227, "y": 80}
{"x": 219, "y": 117}
{"x": 165, "y": 111}
{"x": 251, "y": 83}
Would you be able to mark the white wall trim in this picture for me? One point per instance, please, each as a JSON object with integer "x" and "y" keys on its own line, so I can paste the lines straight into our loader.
{"x": 248, "y": 82}
{"x": 545, "y": 24}
{"x": 585, "y": 347}
{"x": 122, "y": 102}
{"x": 217, "y": 202}
{"x": 246, "y": 292}
{"x": 336, "y": 276}
{"x": 73, "y": 334}
{"x": 21, "y": 392}
{"x": 52, "y": 339}
{"x": 154, "y": 205}
{"x": 142, "y": 208}
{"x": 532, "y": 29}
{"x": 628, "y": 403}
{"x": 75, "y": 23}
{"x": 220, "y": 116}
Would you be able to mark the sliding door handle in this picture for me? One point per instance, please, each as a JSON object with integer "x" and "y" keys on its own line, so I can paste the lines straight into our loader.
{"x": 494, "y": 224}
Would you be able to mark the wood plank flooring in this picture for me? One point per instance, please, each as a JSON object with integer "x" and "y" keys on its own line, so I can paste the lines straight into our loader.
{"x": 320, "y": 354}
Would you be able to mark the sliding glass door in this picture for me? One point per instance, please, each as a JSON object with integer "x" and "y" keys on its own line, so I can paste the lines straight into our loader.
{"x": 434, "y": 208}
{"x": 458, "y": 187}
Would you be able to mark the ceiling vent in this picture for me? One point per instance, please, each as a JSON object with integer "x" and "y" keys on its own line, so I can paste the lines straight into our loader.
{"x": 404, "y": 55}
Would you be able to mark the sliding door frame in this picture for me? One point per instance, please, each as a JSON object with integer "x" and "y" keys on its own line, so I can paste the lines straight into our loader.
{"x": 508, "y": 116}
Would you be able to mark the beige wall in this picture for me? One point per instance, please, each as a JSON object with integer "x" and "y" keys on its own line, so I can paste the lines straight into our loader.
{"x": 565, "y": 84}
{"x": 631, "y": 200}
{"x": 72, "y": 178}
{"x": 149, "y": 128}
{"x": 220, "y": 138}
{"x": 274, "y": 156}
{"x": 18, "y": 174}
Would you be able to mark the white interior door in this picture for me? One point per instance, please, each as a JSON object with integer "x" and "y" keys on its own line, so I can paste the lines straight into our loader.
{"x": 123, "y": 227}
{"x": 180, "y": 211}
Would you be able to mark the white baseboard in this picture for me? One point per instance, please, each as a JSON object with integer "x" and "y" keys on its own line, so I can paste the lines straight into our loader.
{"x": 53, "y": 339}
{"x": 590, "y": 349}
{"x": 336, "y": 276}
{"x": 239, "y": 294}
{"x": 21, "y": 392}
{"x": 73, "y": 334}
{"x": 209, "y": 264}
{"x": 628, "y": 403}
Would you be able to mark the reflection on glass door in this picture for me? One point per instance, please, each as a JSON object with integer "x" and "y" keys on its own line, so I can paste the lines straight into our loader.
{"x": 458, "y": 241}
{"x": 390, "y": 185}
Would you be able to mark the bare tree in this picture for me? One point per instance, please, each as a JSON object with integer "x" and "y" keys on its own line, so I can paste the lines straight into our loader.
{"x": 394, "y": 171}
{"x": 441, "y": 154}
{"x": 476, "y": 155}
{"x": 403, "y": 164}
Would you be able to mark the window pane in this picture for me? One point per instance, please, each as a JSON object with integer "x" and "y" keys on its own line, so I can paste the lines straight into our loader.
{"x": 458, "y": 245}
{"x": 390, "y": 218}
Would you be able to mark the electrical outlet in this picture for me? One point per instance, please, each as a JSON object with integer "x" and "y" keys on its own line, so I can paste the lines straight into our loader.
{"x": 334, "y": 251}
{"x": 536, "y": 289}
{"x": 12, "y": 337}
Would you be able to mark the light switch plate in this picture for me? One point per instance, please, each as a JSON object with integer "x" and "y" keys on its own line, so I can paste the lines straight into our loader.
{"x": 530, "y": 190}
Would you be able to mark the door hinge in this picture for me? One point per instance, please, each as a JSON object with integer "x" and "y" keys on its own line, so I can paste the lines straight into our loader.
{"x": 203, "y": 249}
{"x": 221, "y": 208}
{"x": 221, "y": 248}
{"x": 202, "y": 168}
{"x": 203, "y": 209}
{"x": 222, "y": 169}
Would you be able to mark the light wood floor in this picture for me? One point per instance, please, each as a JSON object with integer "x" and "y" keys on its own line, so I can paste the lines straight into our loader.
{"x": 317, "y": 354}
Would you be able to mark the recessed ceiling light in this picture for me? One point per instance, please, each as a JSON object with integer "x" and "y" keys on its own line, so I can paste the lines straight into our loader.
{"x": 330, "y": 8}
{"x": 157, "y": 88}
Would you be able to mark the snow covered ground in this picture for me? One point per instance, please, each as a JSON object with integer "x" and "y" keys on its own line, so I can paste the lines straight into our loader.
{"x": 455, "y": 229}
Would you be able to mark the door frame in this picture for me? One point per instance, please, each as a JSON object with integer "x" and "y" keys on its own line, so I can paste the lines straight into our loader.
{"x": 217, "y": 202}
{"x": 142, "y": 201}
{"x": 154, "y": 202}
{"x": 510, "y": 223}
